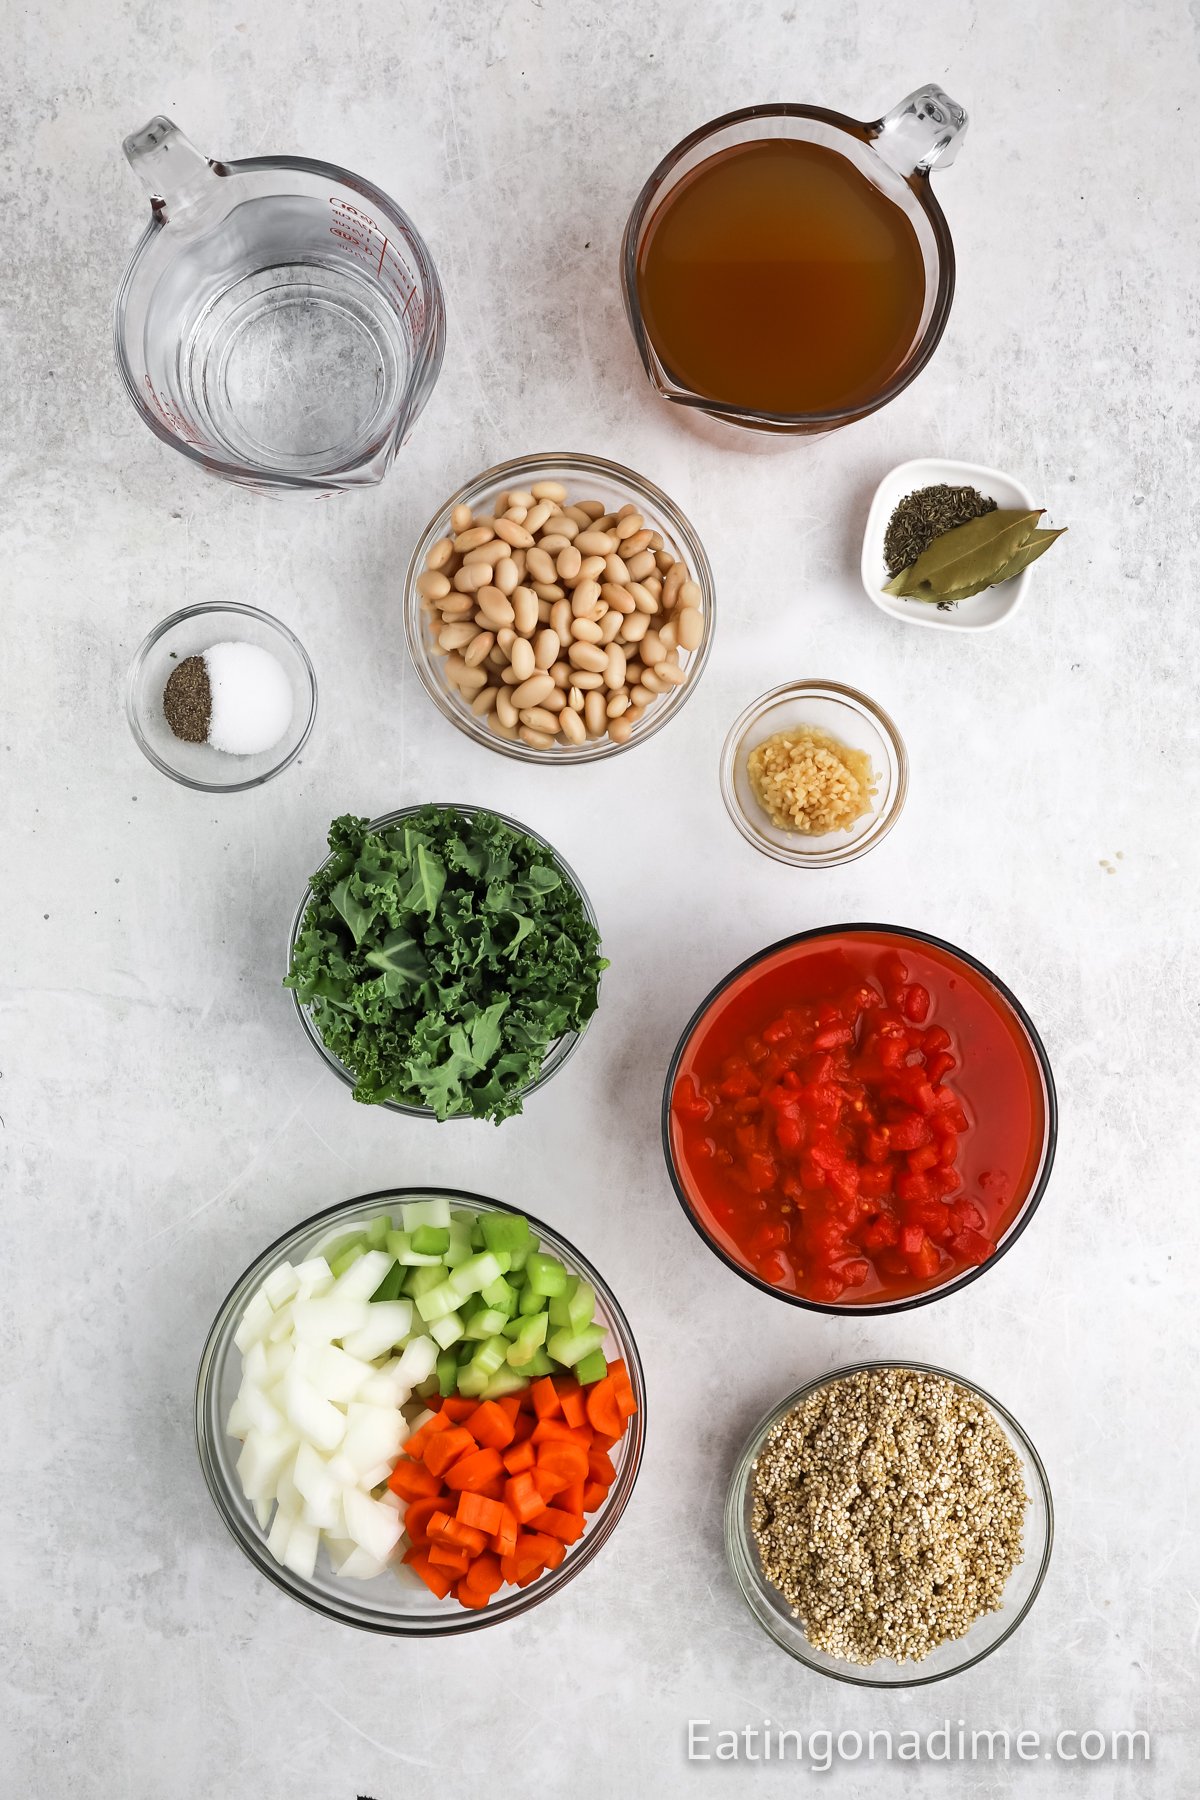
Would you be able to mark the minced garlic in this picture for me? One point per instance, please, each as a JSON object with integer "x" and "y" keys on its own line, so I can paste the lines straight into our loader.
{"x": 807, "y": 781}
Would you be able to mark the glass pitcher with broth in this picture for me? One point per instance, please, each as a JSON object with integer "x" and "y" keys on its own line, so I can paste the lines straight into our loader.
{"x": 788, "y": 269}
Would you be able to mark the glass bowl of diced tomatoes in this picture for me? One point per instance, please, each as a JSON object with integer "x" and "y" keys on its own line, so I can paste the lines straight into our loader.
{"x": 542, "y": 1424}
{"x": 860, "y": 1118}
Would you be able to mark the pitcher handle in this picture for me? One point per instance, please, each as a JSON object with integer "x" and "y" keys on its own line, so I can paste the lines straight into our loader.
{"x": 922, "y": 132}
{"x": 173, "y": 171}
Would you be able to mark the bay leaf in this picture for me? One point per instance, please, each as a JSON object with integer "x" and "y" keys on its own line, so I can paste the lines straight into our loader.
{"x": 967, "y": 555}
{"x": 1034, "y": 546}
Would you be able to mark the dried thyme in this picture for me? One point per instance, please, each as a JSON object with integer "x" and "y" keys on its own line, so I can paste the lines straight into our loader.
{"x": 924, "y": 515}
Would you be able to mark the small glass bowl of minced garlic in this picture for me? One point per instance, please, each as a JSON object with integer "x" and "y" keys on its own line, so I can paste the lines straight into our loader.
{"x": 814, "y": 774}
{"x": 221, "y": 698}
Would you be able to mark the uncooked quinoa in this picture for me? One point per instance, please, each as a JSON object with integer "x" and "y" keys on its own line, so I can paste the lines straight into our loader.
{"x": 888, "y": 1510}
{"x": 807, "y": 781}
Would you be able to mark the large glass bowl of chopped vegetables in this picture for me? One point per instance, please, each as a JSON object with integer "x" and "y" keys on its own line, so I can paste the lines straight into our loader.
{"x": 445, "y": 961}
{"x": 420, "y": 1412}
{"x": 889, "y": 1524}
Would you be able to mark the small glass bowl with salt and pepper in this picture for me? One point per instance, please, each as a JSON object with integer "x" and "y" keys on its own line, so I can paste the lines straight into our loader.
{"x": 221, "y": 698}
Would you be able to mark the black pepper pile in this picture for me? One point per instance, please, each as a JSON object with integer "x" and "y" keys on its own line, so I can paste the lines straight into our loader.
{"x": 187, "y": 701}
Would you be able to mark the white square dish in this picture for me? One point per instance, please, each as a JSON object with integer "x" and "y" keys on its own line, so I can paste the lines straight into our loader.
{"x": 982, "y": 612}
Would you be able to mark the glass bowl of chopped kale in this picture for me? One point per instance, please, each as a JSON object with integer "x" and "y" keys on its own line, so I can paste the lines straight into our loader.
{"x": 445, "y": 961}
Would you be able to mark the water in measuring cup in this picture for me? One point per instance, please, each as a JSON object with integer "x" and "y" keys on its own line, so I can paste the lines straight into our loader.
{"x": 277, "y": 350}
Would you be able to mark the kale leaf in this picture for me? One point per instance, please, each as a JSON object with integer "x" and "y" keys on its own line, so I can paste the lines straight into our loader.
{"x": 442, "y": 957}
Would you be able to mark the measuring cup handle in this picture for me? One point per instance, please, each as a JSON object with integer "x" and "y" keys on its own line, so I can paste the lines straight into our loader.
{"x": 922, "y": 132}
{"x": 174, "y": 172}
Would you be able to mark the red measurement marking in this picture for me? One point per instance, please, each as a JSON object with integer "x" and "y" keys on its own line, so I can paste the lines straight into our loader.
{"x": 379, "y": 265}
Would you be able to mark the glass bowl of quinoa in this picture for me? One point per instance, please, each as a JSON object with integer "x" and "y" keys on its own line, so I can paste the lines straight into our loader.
{"x": 814, "y": 774}
{"x": 889, "y": 1524}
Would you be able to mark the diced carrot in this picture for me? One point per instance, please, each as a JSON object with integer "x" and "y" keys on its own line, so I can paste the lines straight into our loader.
{"x": 438, "y": 1522}
{"x": 522, "y": 1498}
{"x": 524, "y": 1426}
{"x": 626, "y": 1403}
{"x": 518, "y": 1457}
{"x": 568, "y": 1460}
{"x": 464, "y": 1537}
{"x": 471, "y": 1470}
{"x": 594, "y": 1496}
{"x": 603, "y": 1411}
{"x": 521, "y": 1569}
{"x": 600, "y": 1467}
{"x": 554, "y": 1431}
{"x": 525, "y": 1398}
{"x": 570, "y": 1398}
{"x": 483, "y": 1515}
{"x": 545, "y": 1400}
{"x": 493, "y": 1489}
{"x": 489, "y": 1426}
{"x": 619, "y": 1367}
{"x": 467, "y": 1596}
{"x": 504, "y": 1540}
{"x": 444, "y": 1449}
{"x": 510, "y": 1405}
{"x": 543, "y": 1544}
{"x": 556, "y": 1523}
{"x": 549, "y": 1483}
{"x": 602, "y": 1441}
{"x": 485, "y": 1575}
{"x": 459, "y": 1407}
{"x": 414, "y": 1445}
{"x": 450, "y": 1557}
{"x": 417, "y": 1515}
{"x": 412, "y": 1482}
{"x": 436, "y": 1580}
{"x": 571, "y": 1498}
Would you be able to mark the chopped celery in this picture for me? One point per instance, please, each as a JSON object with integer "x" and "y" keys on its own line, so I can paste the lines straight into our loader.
{"x": 446, "y": 1330}
{"x": 347, "y": 1256}
{"x": 504, "y": 1231}
{"x": 401, "y": 1246}
{"x": 460, "y": 1242}
{"x": 559, "y": 1307}
{"x": 419, "y": 1280}
{"x": 431, "y": 1240}
{"x": 530, "y": 1301}
{"x": 447, "y": 1373}
{"x": 582, "y": 1306}
{"x": 569, "y": 1347}
{"x": 489, "y": 1358}
{"x": 389, "y": 1287}
{"x": 546, "y": 1274}
{"x": 476, "y": 1273}
{"x": 500, "y": 1295}
{"x": 471, "y": 1305}
{"x": 377, "y": 1231}
{"x": 485, "y": 1323}
{"x": 591, "y": 1367}
{"x": 541, "y": 1365}
{"x": 436, "y": 1302}
{"x": 429, "y": 1388}
{"x": 529, "y": 1338}
{"x": 424, "y": 1212}
{"x": 503, "y": 1260}
{"x": 477, "y": 1238}
{"x": 512, "y": 1327}
{"x": 504, "y": 1381}
{"x": 516, "y": 1276}
{"x": 522, "y": 1253}
{"x": 471, "y": 1382}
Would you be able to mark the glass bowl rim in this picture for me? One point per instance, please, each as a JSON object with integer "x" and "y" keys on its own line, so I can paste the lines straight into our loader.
{"x": 919, "y": 186}
{"x": 450, "y": 1624}
{"x": 682, "y": 530}
{"x": 908, "y": 1302}
{"x": 571, "y": 1039}
{"x": 138, "y": 662}
{"x": 734, "y": 1534}
{"x": 813, "y": 687}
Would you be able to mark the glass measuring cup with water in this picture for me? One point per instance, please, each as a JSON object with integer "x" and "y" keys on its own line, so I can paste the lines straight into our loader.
{"x": 281, "y": 322}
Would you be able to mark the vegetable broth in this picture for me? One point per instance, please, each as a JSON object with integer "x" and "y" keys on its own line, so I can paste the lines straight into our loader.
{"x": 775, "y": 276}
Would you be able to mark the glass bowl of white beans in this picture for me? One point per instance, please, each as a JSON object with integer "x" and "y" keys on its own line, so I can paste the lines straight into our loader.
{"x": 559, "y": 608}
